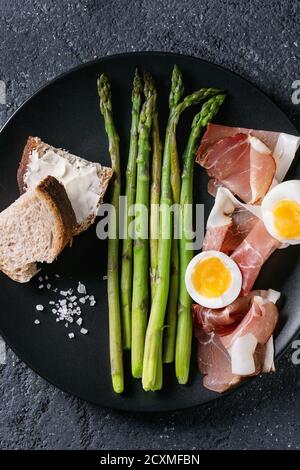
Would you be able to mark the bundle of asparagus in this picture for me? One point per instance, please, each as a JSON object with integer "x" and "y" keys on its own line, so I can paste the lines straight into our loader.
{"x": 157, "y": 328}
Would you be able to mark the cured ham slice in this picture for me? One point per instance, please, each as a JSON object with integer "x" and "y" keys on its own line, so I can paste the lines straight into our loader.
{"x": 246, "y": 161}
{"x": 225, "y": 359}
{"x": 255, "y": 329}
{"x": 228, "y": 224}
{"x": 214, "y": 362}
{"x": 243, "y": 222}
{"x": 236, "y": 229}
{"x": 213, "y": 186}
{"x": 283, "y": 146}
{"x": 243, "y": 164}
{"x": 228, "y": 237}
{"x": 222, "y": 320}
{"x": 219, "y": 221}
{"x": 253, "y": 252}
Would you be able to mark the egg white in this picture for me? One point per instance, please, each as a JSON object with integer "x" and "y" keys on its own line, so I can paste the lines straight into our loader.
{"x": 229, "y": 295}
{"x": 288, "y": 190}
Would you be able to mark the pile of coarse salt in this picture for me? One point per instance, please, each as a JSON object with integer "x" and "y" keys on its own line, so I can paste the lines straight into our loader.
{"x": 67, "y": 308}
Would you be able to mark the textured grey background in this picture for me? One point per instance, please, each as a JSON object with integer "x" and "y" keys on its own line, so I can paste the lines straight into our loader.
{"x": 41, "y": 39}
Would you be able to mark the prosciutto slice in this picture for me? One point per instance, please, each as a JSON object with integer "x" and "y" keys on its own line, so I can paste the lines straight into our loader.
{"x": 246, "y": 161}
{"x": 282, "y": 146}
{"x": 214, "y": 362}
{"x": 236, "y": 229}
{"x": 223, "y": 321}
{"x": 246, "y": 348}
{"x": 228, "y": 237}
{"x": 253, "y": 252}
{"x": 243, "y": 164}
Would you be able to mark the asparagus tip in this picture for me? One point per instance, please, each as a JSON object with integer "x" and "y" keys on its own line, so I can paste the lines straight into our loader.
{"x": 149, "y": 88}
{"x": 137, "y": 85}
{"x": 104, "y": 92}
{"x": 177, "y": 87}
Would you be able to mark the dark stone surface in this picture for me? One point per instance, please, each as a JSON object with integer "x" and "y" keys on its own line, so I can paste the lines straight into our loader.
{"x": 41, "y": 39}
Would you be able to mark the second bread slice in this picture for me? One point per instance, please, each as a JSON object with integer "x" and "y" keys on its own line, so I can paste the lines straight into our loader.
{"x": 35, "y": 228}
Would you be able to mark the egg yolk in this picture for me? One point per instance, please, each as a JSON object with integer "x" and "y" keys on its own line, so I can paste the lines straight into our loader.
{"x": 211, "y": 278}
{"x": 287, "y": 218}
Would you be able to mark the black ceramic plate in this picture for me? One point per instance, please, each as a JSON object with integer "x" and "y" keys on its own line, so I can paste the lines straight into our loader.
{"x": 65, "y": 114}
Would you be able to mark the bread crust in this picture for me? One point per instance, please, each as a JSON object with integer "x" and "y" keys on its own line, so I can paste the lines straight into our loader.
{"x": 31, "y": 144}
{"x": 57, "y": 200}
{"x": 35, "y": 143}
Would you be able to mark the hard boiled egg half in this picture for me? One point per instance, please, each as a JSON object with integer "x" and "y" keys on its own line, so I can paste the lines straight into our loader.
{"x": 280, "y": 210}
{"x": 213, "y": 279}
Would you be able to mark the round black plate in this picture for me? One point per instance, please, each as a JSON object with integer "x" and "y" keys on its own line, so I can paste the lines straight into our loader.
{"x": 65, "y": 114}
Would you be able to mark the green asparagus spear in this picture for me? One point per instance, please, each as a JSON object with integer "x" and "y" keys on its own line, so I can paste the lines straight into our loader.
{"x": 174, "y": 98}
{"x": 184, "y": 325}
{"x": 154, "y": 197}
{"x": 176, "y": 93}
{"x": 152, "y": 358}
{"x": 171, "y": 313}
{"x": 141, "y": 244}
{"x": 115, "y": 336}
{"x": 126, "y": 272}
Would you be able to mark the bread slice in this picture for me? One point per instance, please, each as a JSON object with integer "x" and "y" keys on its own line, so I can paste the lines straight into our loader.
{"x": 35, "y": 228}
{"x": 85, "y": 182}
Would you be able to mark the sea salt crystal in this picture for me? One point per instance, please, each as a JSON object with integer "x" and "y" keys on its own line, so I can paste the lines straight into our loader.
{"x": 41, "y": 279}
{"x": 67, "y": 309}
{"x": 81, "y": 288}
{"x": 104, "y": 278}
{"x": 56, "y": 275}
